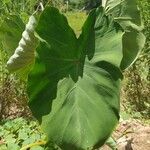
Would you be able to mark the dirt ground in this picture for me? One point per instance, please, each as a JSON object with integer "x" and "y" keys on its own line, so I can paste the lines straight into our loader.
{"x": 132, "y": 135}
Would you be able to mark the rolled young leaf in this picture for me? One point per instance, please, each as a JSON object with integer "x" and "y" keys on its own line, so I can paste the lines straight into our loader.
{"x": 24, "y": 54}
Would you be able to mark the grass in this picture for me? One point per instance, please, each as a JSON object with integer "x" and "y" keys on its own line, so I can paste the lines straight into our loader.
{"x": 76, "y": 21}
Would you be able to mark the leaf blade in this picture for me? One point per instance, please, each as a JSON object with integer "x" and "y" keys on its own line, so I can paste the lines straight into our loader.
{"x": 64, "y": 98}
{"x": 127, "y": 14}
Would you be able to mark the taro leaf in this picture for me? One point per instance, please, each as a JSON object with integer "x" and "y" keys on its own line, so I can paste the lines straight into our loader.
{"x": 133, "y": 43}
{"x": 76, "y": 100}
{"x": 10, "y": 33}
{"x": 127, "y": 14}
{"x": 23, "y": 58}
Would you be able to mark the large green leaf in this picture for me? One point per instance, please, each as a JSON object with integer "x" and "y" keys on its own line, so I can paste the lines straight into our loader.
{"x": 127, "y": 14}
{"x": 77, "y": 98}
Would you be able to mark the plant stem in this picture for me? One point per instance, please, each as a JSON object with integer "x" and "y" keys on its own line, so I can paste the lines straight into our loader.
{"x": 33, "y": 144}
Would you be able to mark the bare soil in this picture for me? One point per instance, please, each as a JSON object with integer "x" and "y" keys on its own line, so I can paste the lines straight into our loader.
{"x": 132, "y": 135}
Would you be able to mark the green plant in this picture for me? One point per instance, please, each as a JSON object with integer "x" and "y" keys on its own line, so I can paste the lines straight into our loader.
{"x": 23, "y": 133}
{"x": 136, "y": 87}
{"x": 20, "y": 133}
{"x": 25, "y": 50}
{"x": 74, "y": 84}
{"x": 13, "y": 99}
{"x": 17, "y": 6}
{"x": 13, "y": 15}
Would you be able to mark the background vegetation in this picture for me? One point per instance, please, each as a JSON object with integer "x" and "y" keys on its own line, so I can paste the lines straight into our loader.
{"x": 136, "y": 87}
{"x": 13, "y": 99}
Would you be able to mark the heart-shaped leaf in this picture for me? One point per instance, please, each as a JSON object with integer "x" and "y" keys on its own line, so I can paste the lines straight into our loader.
{"x": 77, "y": 98}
